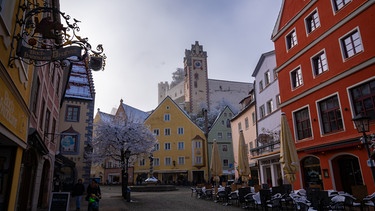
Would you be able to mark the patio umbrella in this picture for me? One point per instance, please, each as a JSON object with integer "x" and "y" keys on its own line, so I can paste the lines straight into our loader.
{"x": 288, "y": 152}
{"x": 215, "y": 166}
{"x": 243, "y": 161}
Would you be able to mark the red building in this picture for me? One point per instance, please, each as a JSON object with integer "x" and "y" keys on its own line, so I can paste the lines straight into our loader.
{"x": 325, "y": 55}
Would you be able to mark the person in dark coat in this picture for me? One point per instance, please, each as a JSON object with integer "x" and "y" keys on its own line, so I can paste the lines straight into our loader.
{"x": 78, "y": 191}
{"x": 93, "y": 196}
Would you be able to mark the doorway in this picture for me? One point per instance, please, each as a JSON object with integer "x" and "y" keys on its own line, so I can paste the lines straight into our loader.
{"x": 347, "y": 172}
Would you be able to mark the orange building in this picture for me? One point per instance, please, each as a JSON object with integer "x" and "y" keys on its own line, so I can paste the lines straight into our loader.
{"x": 325, "y": 59}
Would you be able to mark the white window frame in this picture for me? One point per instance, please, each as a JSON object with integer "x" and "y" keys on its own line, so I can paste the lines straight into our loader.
{"x": 180, "y": 131}
{"x": 344, "y": 51}
{"x": 298, "y": 80}
{"x": 168, "y": 161}
{"x": 323, "y": 67}
{"x": 181, "y": 145}
{"x": 167, "y": 117}
{"x": 167, "y": 146}
{"x": 312, "y": 21}
{"x": 291, "y": 39}
{"x": 167, "y": 131}
{"x": 181, "y": 160}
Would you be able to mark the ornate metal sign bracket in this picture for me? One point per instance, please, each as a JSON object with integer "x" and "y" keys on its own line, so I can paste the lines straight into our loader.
{"x": 41, "y": 37}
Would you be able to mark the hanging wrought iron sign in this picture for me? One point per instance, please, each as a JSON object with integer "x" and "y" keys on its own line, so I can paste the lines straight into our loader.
{"x": 47, "y": 35}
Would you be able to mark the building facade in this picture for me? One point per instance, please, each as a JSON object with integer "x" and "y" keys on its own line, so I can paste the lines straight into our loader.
{"x": 266, "y": 150}
{"x": 181, "y": 153}
{"x": 15, "y": 85}
{"x": 76, "y": 126}
{"x": 325, "y": 62}
{"x": 221, "y": 132}
{"x": 245, "y": 121}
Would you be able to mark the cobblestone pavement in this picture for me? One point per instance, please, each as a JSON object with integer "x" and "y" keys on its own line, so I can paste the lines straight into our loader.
{"x": 180, "y": 199}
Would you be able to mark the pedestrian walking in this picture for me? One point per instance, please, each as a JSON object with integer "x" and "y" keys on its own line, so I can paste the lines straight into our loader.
{"x": 78, "y": 191}
{"x": 93, "y": 196}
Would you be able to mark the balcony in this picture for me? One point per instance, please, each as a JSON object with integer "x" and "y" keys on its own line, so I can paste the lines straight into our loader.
{"x": 265, "y": 148}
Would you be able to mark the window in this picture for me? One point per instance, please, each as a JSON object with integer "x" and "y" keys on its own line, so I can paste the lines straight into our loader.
{"x": 228, "y": 123}
{"x": 338, "y": 4}
{"x": 181, "y": 160}
{"x": 156, "y": 162}
{"x": 42, "y": 114}
{"x": 269, "y": 106}
{"x": 156, "y": 132}
{"x": 225, "y": 163}
{"x": 168, "y": 161}
{"x": 157, "y": 147}
{"x": 267, "y": 78}
{"x": 197, "y": 144}
{"x": 180, "y": 130}
{"x": 330, "y": 114}
{"x": 198, "y": 160}
{"x": 319, "y": 63}
{"x": 351, "y": 44}
{"x": 239, "y": 126}
{"x": 46, "y": 121}
{"x": 181, "y": 145}
{"x": 72, "y": 113}
{"x": 167, "y": 146}
{"x": 142, "y": 162}
{"x": 296, "y": 77}
{"x": 34, "y": 95}
{"x": 253, "y": 117}
{"x": 167, "y": 117}
{"x": 167, "y": 131}
{"x": 291, "y": 39}
{"x": 312, "y": 22}
{"x": 363, "y": 99}
{"x": 260, "y": 85}
{"x": 262, "y": 111}
{"x": 303, "y": 126}
{"x": 222, "y": 122}
{"x": 219, "y": 135}
{"x": 275, "y": 76}
{"x": 278, "y": 101}
{"x": 53, "y": 129}
{"x": 229, "y": 135}
{"x": 225, "y": 148}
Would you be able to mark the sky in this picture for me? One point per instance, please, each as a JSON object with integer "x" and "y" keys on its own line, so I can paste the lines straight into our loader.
{"x": 145, "y": 42}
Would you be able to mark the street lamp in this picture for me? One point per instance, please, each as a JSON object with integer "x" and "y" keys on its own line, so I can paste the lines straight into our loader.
{"x": 362, "y": 123}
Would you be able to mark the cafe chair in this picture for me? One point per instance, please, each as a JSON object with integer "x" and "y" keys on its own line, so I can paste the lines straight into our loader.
{"x": 350, "y": 202}
{"x": 233, "y": 196}
{"x": 302, "y": 206}
{"x": 275, "y": 202}
{"x": 337, "y": 203}
{"x": 369, "y": 202}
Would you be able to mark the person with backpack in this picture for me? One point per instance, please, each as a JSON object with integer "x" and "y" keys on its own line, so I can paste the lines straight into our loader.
{"x": 93, "y": 196}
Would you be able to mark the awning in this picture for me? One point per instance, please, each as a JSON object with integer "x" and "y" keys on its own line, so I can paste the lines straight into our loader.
{"x": 34, "y": 140}
{"x": 332, "y": 146}
{"x": 64, "y": 161}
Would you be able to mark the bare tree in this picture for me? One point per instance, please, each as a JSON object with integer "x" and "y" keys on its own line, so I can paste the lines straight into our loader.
{"x": 111, "y": 138}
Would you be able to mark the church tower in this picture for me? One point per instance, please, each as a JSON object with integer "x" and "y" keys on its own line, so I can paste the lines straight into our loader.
{"x": 196, "y": 79}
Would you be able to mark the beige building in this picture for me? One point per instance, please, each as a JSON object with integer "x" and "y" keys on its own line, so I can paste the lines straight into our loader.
{"x": 245, "y": 120}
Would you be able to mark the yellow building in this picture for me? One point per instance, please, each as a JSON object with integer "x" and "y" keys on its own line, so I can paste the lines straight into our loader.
{"x": 181, "y": 153}
{"x": 15, "y": 84}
